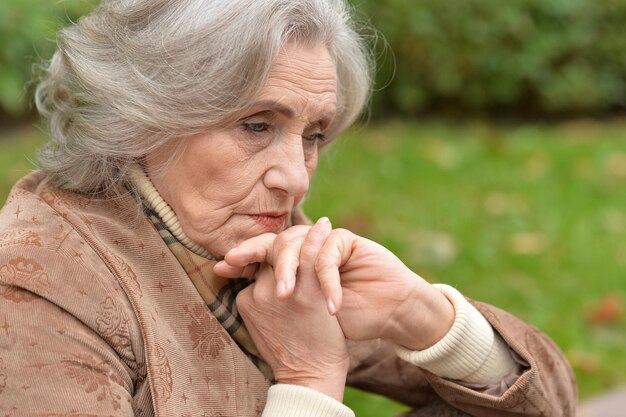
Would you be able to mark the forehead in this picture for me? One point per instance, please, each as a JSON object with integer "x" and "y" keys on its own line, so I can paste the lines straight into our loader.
{"x": 303, "y": 78}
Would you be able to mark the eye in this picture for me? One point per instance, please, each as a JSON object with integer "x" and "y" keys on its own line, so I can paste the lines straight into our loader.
{"x": 257, "y": 127}
{"x": 316, "y": 137}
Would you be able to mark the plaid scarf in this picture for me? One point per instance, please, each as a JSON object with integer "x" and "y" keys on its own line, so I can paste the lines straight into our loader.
{"x": 218, "y": 293}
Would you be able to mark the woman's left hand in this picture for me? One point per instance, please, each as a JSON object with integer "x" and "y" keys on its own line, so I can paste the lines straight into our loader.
{"x": 297, "y": 338}
{"x": 372, "y": 292}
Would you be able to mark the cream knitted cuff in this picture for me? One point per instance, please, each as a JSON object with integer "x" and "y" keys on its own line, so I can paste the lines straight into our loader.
{"x": 470, "y": 351}
{"x": 297, "y": 401}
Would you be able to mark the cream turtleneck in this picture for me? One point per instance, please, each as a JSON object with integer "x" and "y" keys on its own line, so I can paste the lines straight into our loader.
{"x": 153, "y": 199}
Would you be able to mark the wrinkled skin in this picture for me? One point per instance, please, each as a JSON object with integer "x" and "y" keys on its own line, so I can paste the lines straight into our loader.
{"x": 301, "y": 342}
{"x": 373, "y": 294}
{"x": 260, "y": 161}
{"x": 233, "y": 188}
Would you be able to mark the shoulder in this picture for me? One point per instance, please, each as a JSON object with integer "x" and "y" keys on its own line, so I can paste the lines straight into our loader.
{"x": 52, "y": 230}
{"x": 49, "y": 258}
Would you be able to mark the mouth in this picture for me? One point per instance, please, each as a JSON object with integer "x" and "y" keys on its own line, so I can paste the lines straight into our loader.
{"x": 272, "y": 222}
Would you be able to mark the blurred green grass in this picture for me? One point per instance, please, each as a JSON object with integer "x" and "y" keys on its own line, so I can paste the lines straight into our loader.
{"x": 528, "y": 217}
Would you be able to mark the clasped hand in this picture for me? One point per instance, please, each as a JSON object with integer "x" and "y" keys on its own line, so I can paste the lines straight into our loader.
{"x": 315, "y": 287}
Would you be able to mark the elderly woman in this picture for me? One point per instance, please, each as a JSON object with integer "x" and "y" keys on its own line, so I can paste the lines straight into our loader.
{"x": 184, "y": 135}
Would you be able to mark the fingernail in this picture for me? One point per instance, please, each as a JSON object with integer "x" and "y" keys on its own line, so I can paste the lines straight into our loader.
{"x": 282, "y": 288}
{"x": 323, "y": 220}
{"x": 233, "y": 251}
{"x": 331, "y": 306}
{"x": 219, "y": 263}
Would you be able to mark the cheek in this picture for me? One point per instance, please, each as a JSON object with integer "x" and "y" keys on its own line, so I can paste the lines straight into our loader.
{"x": 311, "y": 164}
{"x": 240, "y": 179}
{"x": 230, "y": 189}
{"x": 227, "y": 171}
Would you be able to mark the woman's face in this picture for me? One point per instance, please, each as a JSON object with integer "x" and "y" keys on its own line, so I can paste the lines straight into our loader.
{"x": 242, "y": 179}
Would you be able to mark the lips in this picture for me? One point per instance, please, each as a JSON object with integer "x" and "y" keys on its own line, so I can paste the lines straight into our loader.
{"x": 272, "y": 222}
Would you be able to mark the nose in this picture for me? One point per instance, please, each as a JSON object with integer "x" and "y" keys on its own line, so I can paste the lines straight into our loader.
{"x": 287, "y": 170}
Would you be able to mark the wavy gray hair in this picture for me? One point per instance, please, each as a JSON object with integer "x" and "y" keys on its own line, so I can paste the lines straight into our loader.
{"x": 134, "y": 74}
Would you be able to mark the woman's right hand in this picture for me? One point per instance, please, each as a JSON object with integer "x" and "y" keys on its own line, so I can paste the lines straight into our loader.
{"x": 372, "y": 292}
{"x": 299, "y": 340}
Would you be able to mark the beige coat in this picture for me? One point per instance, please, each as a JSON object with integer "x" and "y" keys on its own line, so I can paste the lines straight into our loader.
{"x": 98, "y": 318}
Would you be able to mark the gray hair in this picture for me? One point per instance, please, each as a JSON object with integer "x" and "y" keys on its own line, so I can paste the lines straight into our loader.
{"x": 134, "y": 74}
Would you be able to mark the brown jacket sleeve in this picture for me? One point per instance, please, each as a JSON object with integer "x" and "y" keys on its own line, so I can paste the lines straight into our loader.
{"x": 59, "y": 341}
{"x": 546, "y": 389}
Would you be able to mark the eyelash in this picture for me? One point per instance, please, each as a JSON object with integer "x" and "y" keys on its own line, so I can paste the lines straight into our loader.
{"x": 317, "y": 137}
{"x": 260, "y": 127}
{"x": 257, "y": 127}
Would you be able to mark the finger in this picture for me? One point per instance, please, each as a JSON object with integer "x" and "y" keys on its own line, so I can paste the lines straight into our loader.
{"x": 260, "y": 248}
{"x": 334, "y": 253}
{"x": 313, "y": 242}
{"x": 286, "y": 266}
{"x": 254, "y": 250}
{"x": 286, "y": 258}
{"x": 311, "y": 246}
{"x": 264, "y": 283}
{"x": 249, "y": 271}
{"x": 224, "y": 270}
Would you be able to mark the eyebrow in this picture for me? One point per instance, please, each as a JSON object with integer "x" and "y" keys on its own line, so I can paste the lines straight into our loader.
{"x": 325, "y": 118}
{"x": 275, "y": 106}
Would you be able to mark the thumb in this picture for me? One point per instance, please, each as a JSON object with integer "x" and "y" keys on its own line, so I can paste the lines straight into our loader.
{"x": 225, "y": 270}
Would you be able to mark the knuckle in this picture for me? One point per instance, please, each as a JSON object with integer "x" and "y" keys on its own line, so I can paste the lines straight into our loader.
{"x": 326, "y": 285}
{"x": 286, "y": 266}
{"x": 313, "y": 241}
{"x": 300, "y": 228}
{"x": 293, "y": 232}
{"x": 308, "y": 252}
{"x": 328, "y": 255}
{"x": 259, "y": 252}
{"x": 249, "y": 271}
{"x": 287, "y": 257}
{"x": 244, "y": 299}
{"x": 326, "y": 282}
{"x": 322, "y": 266}
{"x": 341, "y": 232}
{"x": 308, "y": 248}
{"x": 281, "y": 239}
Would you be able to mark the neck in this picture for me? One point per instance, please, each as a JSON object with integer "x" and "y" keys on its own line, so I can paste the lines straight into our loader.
{"x": 151, "y": 197}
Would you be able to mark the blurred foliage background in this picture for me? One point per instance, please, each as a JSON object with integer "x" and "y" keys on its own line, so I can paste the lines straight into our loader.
{"x": 27, "y": 33}
{"x": 532, "y": 57}
{"x": 528, "y": 57}
{"x": 496, "y": 160}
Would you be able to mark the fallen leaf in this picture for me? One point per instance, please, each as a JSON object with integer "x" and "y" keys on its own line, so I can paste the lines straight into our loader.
{"x": 615, "y": 165}
{"x": 359, "y": 222}
{"x": 608, "y": 309}
{"x": 579, "y": 131}
{"x": 441, "y": 154}
{"x": 496, "y": 204}
{"x": 528, "y": 243}
{"x": 615, "y": 221}
{"x": 537, "y": 165}
{"x": 583, "y": 168}
{"x": 619, "y": 254}
{"x": 427, "y": 247}
{"x": 583, "y": 361}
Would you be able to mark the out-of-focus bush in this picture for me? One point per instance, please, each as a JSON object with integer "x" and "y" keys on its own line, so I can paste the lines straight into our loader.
{"x": 27, "y": 33}
{"x": 530, "y": 56}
